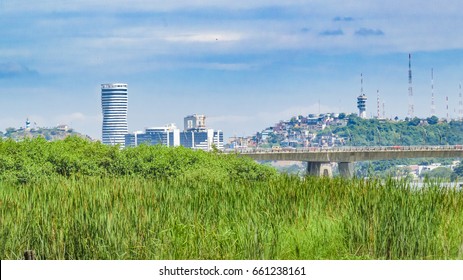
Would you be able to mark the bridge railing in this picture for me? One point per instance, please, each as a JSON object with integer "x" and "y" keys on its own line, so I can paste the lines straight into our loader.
{"x": 344, "y": 149}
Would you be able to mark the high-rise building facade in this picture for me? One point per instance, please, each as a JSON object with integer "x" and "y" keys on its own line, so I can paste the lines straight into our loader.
{"x": 202, "y": 140}
{"x": 114, "y": 106}
{"x": 195, "y": 136}
{"x": 194, "y": 122}
{"x": 168, "y": 135}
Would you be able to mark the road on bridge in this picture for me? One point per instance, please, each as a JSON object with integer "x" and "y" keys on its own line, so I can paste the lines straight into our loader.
{"x": 352, "y": 154}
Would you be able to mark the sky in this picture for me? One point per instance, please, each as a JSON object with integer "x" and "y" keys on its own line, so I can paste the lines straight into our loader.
{"x": 244, "y": 64}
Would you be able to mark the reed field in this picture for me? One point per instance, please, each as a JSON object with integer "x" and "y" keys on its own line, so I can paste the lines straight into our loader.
{"x": 282, "y": 218}
{"x": 229, "y": 208}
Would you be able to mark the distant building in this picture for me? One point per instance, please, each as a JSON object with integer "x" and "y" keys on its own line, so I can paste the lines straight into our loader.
{"x": 62, "y": 127}
{"x": 168, "y": 135}
{"x": 114, "y": 106}
{"x": 28, "y": 124}
{"x": 194, "y": 122}
{"x": 195, "y": 136}
{"x": 202, "y": 140}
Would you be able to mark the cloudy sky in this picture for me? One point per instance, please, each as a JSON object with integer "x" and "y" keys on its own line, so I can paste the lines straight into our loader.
{"x": 244, "y": 64}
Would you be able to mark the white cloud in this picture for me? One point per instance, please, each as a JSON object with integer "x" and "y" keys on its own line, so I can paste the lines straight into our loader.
{"x": 205, "y": 37}
{"x": 91, "y": 41}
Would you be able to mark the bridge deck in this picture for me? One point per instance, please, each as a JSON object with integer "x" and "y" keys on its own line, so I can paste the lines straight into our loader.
{"x": 353, "y": 154}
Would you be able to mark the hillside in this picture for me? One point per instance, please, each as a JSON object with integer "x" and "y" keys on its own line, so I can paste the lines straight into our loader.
{"x": 50, "y": 134}
{"x": 370, "y": 132}
{"x": 330, "y": 130}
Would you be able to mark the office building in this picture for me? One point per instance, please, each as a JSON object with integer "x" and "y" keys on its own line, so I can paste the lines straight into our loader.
{"x": 114, "y": 106}
{"x": 168, "y": 135}
{"x": 194, "y": 122}
{"x": 195, "y": 135}
{"x": 202, "y": 140}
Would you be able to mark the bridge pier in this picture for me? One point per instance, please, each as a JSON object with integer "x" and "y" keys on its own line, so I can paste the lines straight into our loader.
{"x": 346, "y": 169}
{"x": 319, "y": 169}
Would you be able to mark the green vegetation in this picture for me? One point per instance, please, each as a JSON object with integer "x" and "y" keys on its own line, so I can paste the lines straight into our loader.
{"x": 32, "y": 159}
{"x": 76, "y": 199}
{"x": 374, "y": 132}
{"x": 49, "y": 134}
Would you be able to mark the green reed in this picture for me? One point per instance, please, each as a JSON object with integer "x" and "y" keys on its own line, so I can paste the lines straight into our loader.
{"x": 186, "y": 217}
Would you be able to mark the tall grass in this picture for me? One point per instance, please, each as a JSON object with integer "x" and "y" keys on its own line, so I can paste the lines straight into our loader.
{"x": 283, "y": 217}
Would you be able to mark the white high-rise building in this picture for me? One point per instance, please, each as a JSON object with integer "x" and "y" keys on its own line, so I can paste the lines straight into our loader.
{"x": 114, "y": 105}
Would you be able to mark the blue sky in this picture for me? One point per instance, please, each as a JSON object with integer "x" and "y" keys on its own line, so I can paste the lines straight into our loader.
{"x": 244, "y": 64}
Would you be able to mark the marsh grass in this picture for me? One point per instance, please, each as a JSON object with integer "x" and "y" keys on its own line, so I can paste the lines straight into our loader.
{"x": 284, "y": 217}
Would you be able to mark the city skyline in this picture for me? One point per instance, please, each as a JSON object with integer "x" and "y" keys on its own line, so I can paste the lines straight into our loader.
{"x": 244, "y": 65}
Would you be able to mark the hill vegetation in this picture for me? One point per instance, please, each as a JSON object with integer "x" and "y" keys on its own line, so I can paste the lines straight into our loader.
{"x": 374, "y": 132}
{"x": 50, "y": 134}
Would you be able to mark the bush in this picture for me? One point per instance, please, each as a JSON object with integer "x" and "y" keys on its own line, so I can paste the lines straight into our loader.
{"x": 75, "y": 156}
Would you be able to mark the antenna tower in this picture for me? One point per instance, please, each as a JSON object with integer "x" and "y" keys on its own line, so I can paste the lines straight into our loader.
{"x": 384, "y": 112}
{"x": 460, "y": 105}
{"x": 361, "y": 83}
{"x": 447, "y": 106}
{"x": 361, "y": 101}
{"x": 433, "y": 106}
{"x": 410, "y": 89}
{"x": 377, "y": 104}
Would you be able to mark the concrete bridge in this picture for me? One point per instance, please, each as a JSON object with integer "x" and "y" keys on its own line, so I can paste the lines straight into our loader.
{"x": 319, "y": 159}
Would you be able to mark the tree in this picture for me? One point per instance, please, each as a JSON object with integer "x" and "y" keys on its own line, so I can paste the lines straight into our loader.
{"x": 10, "y": 130}
{"x": 439, "y": 172}
{"x": 459, "y": 170}
{"x": 432, "y": 120}
{"x": 414, "y": 122}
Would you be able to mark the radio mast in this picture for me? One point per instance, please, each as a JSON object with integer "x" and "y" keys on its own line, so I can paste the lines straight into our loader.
{"x": 460, "y": 105}
{"x": 433, "y": 106}
{"x": 410, "y": 89}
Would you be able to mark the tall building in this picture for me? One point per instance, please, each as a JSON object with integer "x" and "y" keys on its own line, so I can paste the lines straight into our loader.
{"x": 194, "y": 122}
{"x": 114, "y": 106}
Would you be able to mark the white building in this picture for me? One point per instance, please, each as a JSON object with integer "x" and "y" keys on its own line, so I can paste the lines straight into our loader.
{"x": 114, "y": 106}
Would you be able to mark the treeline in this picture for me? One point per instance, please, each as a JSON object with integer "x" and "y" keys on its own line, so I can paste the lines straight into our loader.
{"x": 31, "y": 159}
{"x": 374, "y": 132}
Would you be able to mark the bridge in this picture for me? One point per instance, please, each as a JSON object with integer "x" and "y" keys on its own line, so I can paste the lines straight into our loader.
{"x": 319, "y": 159}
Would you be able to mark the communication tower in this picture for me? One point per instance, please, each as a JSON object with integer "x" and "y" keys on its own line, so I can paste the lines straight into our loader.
{"x": 447, "y": 107}
{"x": 433, "y": 106}
{"x": 410, "y": 88}
{"x": 378, "y": 114}
{"x": 361, "y": 101}
{"x": 460, "y": 106}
